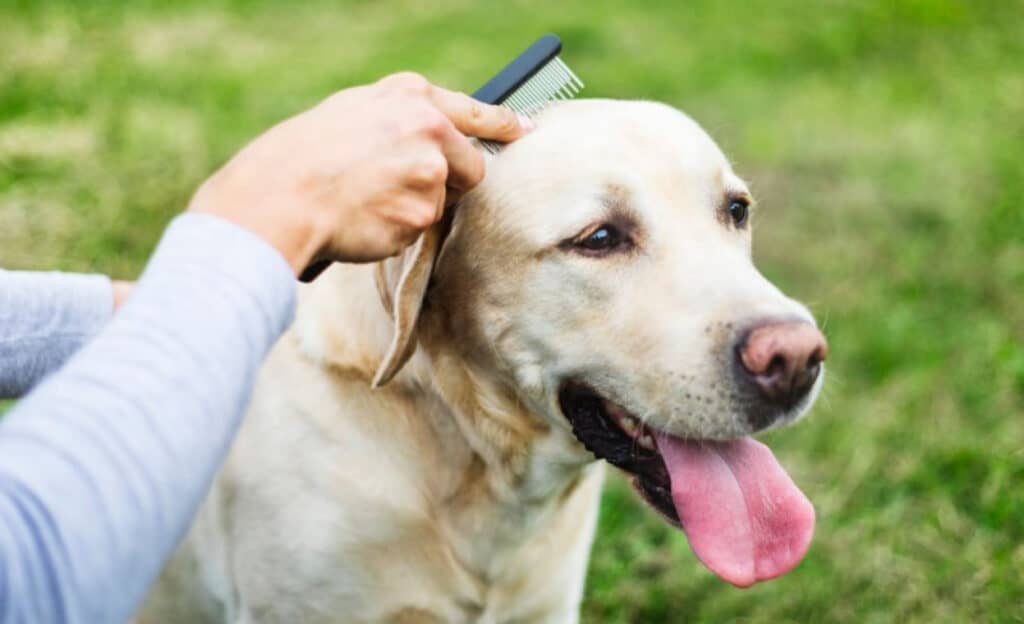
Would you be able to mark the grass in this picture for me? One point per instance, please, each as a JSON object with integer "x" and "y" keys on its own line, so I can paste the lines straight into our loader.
{"x": 883, "y": 139}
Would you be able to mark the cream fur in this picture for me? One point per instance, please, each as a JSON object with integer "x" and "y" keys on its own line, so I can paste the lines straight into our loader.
{"x": 457, "y": 492}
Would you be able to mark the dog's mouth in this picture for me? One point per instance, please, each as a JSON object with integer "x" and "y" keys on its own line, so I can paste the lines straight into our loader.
{"x": 614, "y": 435}
{"x": 742, "y": 514}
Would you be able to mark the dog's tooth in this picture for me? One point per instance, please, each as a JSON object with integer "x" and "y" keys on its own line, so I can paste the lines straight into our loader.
{"x": 628, "y": 425}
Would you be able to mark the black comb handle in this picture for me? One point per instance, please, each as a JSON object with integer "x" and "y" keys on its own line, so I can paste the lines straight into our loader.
{"x": 520, "y": 70}
{"x": 311, "y": 272}
{"x": 495, "y": 91}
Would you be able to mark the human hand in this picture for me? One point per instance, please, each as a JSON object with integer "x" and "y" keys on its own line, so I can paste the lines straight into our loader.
{"x": 120, "y": 292}
{"x": 359, "y": 176}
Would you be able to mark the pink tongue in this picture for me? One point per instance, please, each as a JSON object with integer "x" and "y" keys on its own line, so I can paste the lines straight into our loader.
{"x": 743, "y": 516}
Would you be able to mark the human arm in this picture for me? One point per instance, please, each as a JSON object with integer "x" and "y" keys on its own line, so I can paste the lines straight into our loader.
{"x": 103, "y": 465}
{"x": 45, "y": 317}
{"x": 413, "y": 128}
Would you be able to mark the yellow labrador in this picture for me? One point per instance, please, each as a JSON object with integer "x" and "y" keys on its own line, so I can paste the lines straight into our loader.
{"x": 593, "y": 299}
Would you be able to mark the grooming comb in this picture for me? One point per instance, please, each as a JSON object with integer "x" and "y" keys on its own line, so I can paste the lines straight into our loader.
{"x": 529, "y": 83}
{"x": 526, "y": 85}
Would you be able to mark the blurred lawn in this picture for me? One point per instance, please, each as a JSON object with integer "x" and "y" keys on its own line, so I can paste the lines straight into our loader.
{"x": 883, "y": 139}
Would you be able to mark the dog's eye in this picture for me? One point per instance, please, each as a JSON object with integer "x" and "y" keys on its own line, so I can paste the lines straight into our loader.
{"x": 738, "y": 209}
{"x": 604, "y": 238}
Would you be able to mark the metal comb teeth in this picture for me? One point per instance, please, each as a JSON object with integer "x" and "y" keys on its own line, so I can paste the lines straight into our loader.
{"x": 553, "y": 82}
{"x": 532, "y": 80}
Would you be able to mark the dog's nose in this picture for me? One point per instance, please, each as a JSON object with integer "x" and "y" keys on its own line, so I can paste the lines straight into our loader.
{"x": 784, "y": 359}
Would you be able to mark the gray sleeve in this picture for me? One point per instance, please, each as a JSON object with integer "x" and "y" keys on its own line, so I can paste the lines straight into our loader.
{"x": 103, "y": 465}
{"x": 44, "y": 318}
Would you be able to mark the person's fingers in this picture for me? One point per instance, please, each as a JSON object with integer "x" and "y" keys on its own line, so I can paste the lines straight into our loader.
{"x": 474, "y": 118}
{"x": 465, "y": 163}
{"x": 423, "y": 166}
{"x": 427, "y": 209}
{"x": 420, "y": 212}
{"x": 446, "y": 158}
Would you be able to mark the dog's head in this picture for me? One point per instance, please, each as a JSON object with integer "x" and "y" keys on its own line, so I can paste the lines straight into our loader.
{"x": 603, "y": 271}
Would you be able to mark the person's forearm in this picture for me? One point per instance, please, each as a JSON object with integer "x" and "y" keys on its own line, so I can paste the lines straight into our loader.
{"x": 104, "y": 464}
{"x": 44, "y": 319}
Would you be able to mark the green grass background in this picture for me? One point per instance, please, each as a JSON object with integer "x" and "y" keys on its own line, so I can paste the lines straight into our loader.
{"x": 883, "y": 139}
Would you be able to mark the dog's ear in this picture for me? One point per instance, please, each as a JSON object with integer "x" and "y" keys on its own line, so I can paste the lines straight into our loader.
{"x": 402, "y": 284}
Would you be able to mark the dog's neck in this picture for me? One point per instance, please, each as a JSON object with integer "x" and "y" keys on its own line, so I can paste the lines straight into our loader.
{"x": 343, "y": 324}
{"x": 498, "y": 477}
{"x": 528, "y": 461}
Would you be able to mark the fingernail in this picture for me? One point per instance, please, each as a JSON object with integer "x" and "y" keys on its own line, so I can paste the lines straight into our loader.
{"x": 526, "y": 123}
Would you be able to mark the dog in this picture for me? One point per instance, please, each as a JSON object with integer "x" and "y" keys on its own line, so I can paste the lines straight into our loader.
{"x": 423, "y": 444}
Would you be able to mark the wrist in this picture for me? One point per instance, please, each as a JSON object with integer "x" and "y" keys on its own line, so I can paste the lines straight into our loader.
{"x": 293, "y": 234}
